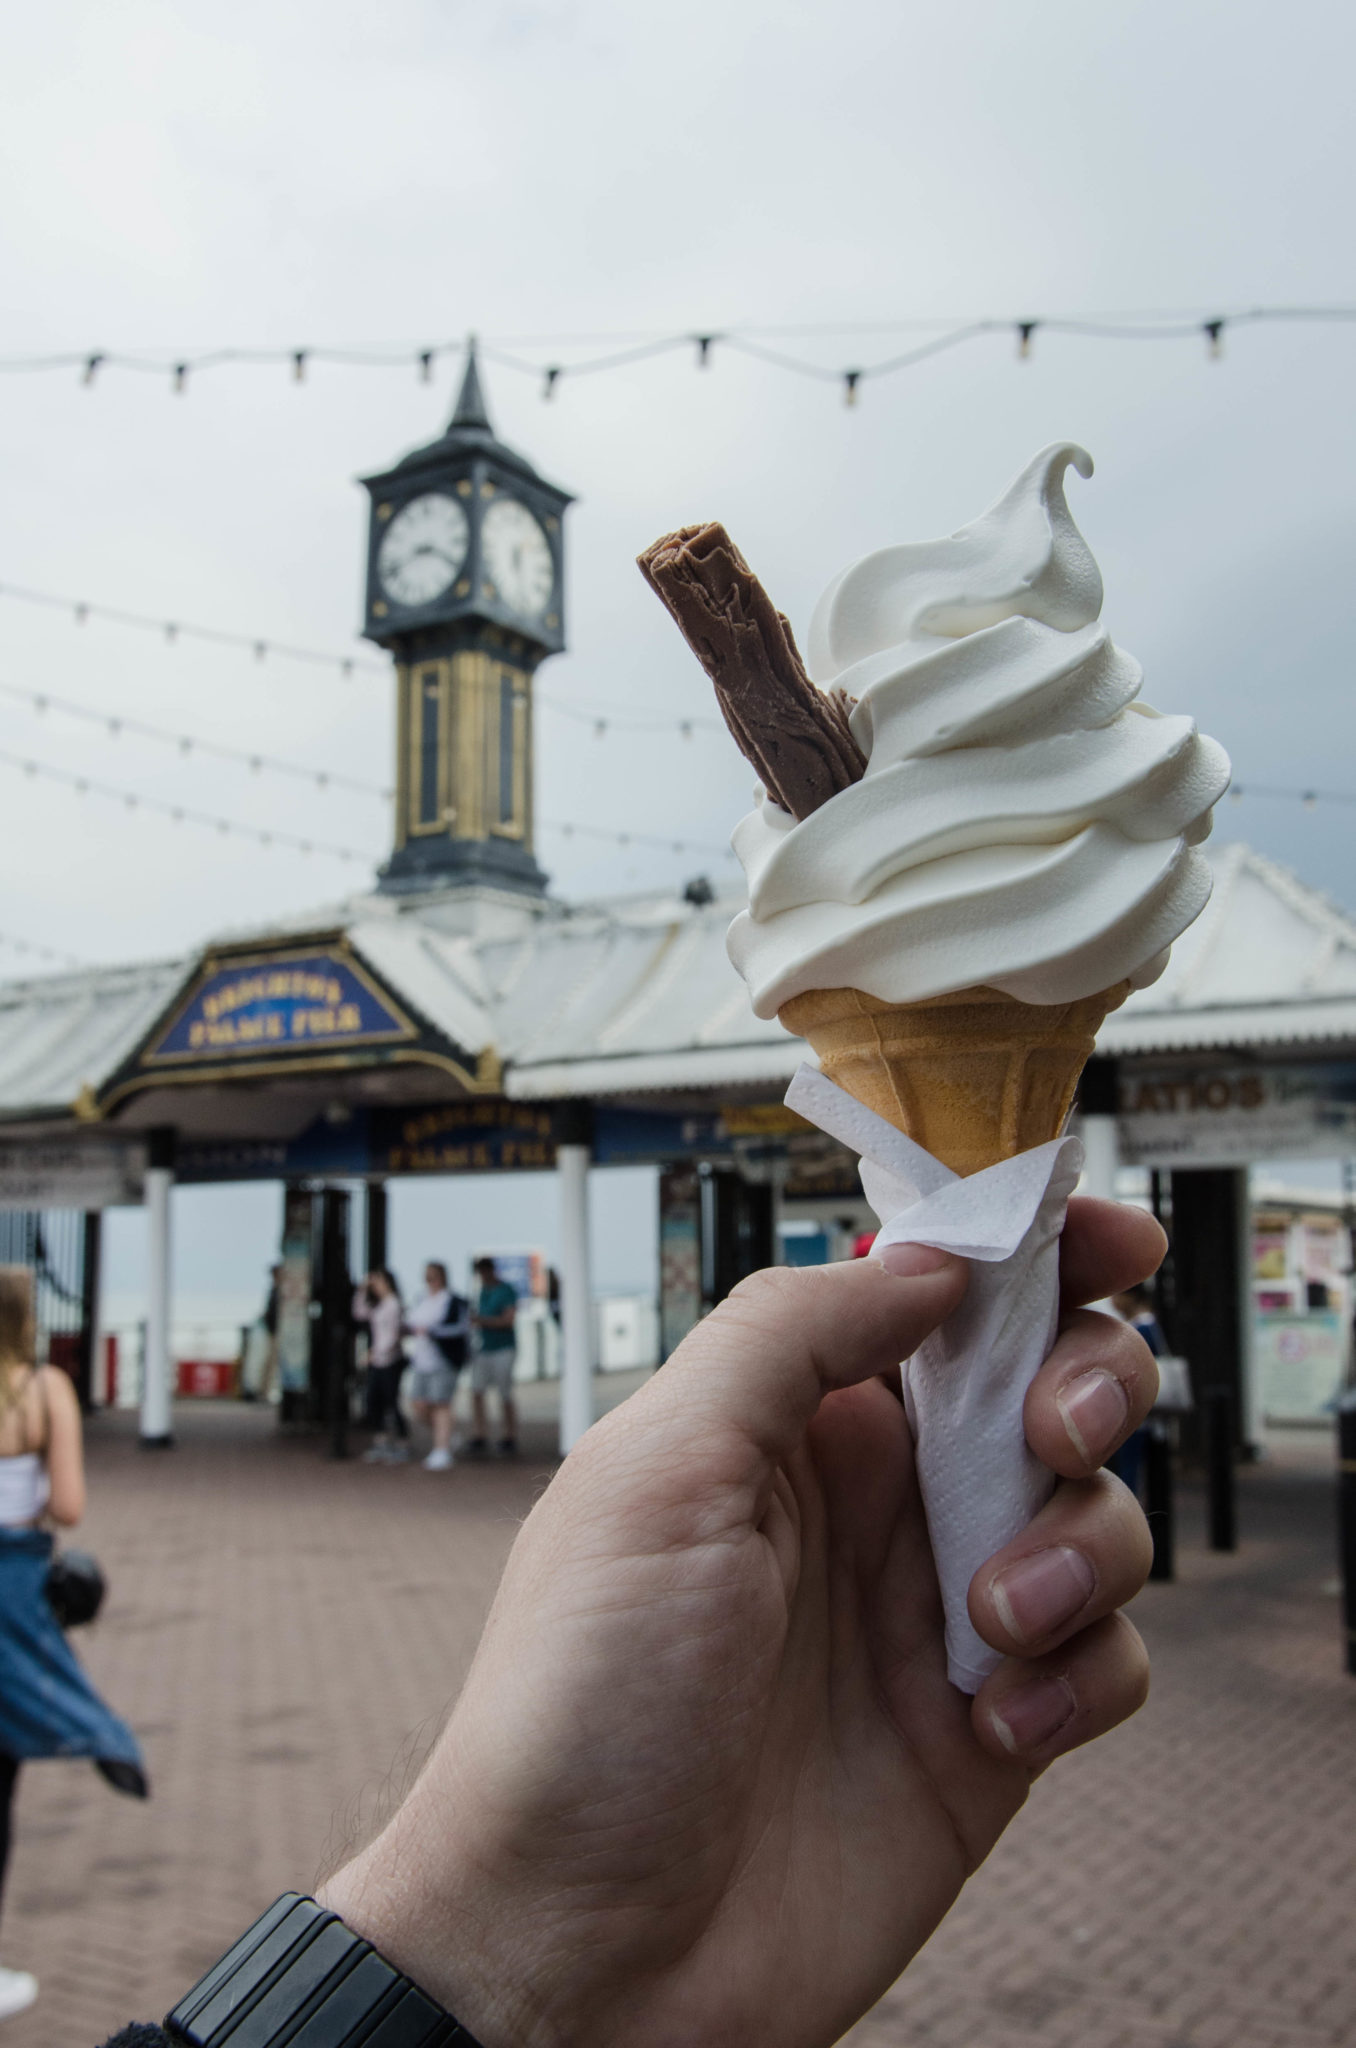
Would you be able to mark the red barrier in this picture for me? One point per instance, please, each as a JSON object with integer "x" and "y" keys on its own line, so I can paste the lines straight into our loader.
{"x": 205, "y": 1379}
{"x": 63, "y": 1350}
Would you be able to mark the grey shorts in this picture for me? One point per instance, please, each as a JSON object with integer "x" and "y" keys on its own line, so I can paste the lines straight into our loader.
{"x": 493, "y": 1369}
{"x": 433, "y": 1383}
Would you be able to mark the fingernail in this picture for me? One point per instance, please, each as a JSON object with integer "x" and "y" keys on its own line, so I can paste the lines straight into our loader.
{"x": 1032, "y": 1713}
{"x": 1039, "y": 1593}
{"x": 1094, "y": 1410}
{"x": 911, "y": 1261}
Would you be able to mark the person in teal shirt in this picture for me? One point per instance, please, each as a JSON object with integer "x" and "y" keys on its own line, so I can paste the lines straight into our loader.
{"x": 496, "y": 1356}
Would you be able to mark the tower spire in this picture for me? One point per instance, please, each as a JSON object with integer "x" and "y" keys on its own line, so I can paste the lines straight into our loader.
{"x": 471, "y": 411}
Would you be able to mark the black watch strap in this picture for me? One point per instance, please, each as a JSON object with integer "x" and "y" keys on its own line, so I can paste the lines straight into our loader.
{"x": 301, "y": 1979}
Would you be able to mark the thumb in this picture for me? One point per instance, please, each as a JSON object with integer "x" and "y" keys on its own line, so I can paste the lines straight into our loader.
{"x": 741, "y": 1389}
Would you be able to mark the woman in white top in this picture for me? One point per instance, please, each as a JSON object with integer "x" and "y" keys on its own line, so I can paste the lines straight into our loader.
{"x": 47, "y": 1705}
{"x": 377, "y": 1303}
{"x": 435, "y": 1321}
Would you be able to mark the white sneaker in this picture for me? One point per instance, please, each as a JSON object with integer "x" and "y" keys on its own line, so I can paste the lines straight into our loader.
{"x": 18, "y": 1989}
{"x": 438, "y": 1461}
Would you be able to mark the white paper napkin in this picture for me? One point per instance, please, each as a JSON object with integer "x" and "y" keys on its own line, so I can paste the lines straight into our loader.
{"x": 964, "y": 1389}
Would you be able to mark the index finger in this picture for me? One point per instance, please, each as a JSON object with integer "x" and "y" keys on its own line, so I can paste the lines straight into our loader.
{"x": 1107, "y": 1246}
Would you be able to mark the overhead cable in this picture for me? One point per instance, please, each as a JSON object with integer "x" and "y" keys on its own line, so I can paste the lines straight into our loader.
{"x": 171, "y": 630}
{"x": 117, "y": 723}
{"x": 1310, "y": 798}
{"x": 179, "y": 814}
{"x": 179, "y": 367}
{"x": 602, "y": 716}
{"x": 134, "y": 800}
{"x": 81, "y": 610}
{"x": 14, "y": 945}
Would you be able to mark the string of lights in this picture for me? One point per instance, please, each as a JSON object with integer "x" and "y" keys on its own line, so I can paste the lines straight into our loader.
{"x": 81, "y": 611}
{"x": 1310, "y": 798}
{"x": 137, "y": 800}
{"x": 117, "y": 723}
{"x": 179, "y": 367}
{"x": 28, "y": 947}
{"x": 12, "y": 944}
{"x": 174, "y": 630}
{"x": 573, "y": 831}
{"x": 602, "y": 717}
{"x": 179, "y": 814}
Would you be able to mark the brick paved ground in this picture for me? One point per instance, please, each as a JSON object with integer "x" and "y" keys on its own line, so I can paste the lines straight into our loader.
{"x": 286, "y": 1635}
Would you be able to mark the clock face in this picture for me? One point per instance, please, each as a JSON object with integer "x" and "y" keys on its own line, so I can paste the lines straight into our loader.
{"x": 422, "y": 550}
{"x": 517, "y": 557}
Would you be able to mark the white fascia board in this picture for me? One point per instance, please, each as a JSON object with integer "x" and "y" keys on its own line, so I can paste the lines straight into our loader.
{"x": 742, "y": 1066}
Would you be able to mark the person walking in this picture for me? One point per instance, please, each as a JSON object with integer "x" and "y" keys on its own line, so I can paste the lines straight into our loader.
{"x": 377, "y": 1303}
{"x": 1134, "y": 1305}
{"x": 260, "y": 1360}
{"x": 496, "y": 1355}
{"x": 433, "y": 1381}
{"x": 47, "y": 1705}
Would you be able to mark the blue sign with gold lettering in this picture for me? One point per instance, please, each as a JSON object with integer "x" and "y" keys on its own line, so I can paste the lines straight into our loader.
{"x": 484, "y": 1135}
{"x": 280, "y": 1004}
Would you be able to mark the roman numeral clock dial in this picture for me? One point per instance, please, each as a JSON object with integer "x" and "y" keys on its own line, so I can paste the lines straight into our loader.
{"x": 517, "y": 557}
{"x": 423, "y": 549}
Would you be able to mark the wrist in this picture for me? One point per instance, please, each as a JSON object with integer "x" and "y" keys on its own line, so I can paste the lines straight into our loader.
{"x": 301, "y": 1973}
{"x": 477, "y": 1964}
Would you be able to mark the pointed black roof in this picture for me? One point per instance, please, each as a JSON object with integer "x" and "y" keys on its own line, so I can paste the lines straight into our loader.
{"x": 468, "y": 432}
{"x": 470, "y": 409}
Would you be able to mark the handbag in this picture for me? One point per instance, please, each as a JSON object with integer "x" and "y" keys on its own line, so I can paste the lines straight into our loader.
{"x": 450, "y": 1335}
{"x": 75, "y": 1587}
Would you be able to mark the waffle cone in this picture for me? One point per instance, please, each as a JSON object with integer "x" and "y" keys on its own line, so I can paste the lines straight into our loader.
{"x": 973, "y": 1077}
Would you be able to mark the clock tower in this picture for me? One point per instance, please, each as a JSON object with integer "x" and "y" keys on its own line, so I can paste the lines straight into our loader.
{"x": 465, "y": 586}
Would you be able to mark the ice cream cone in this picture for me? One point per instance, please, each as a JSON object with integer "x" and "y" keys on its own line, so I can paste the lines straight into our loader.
{"x": 973, "y": 1077}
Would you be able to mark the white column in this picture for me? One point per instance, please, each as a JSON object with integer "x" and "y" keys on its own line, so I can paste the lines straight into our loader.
{"x": 1101, "y": 1156}
{"x": 156, "y": 1364}
{"x": 576, "y": 1295}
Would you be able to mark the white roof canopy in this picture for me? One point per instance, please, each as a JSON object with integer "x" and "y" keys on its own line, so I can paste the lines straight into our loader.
{"x": 634, "y": 995}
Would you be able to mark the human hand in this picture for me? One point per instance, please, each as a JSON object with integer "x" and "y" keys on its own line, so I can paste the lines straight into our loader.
{"x": 707, "y": 1779}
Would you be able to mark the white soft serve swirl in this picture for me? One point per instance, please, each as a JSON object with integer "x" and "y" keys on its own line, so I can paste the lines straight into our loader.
{"x": 1024, "y": 822}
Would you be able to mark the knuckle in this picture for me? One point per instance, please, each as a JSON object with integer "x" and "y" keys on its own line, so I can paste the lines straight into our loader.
{"x": 772, "y": 1291}
{"x": 1090, "y": 1339}
{"x": 1134, "y": 1365}
{"x": 1128, "y": 1540}
{"x": 1132, "y": 1665}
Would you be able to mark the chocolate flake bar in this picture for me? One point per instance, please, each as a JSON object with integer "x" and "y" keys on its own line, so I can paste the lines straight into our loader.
{"x": 796, "y": 736}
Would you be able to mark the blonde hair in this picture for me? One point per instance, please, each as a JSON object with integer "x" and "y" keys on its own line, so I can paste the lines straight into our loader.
{"x": 18, "y": 1331}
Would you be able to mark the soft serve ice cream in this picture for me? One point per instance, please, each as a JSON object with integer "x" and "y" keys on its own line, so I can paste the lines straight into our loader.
{"x": 1024, "y": 823}
{"x": 970, "y": 843}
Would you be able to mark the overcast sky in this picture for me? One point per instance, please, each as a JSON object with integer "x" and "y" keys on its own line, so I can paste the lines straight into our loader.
{"x": 185, "y": 176}
{"x": 179, "y": 177}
